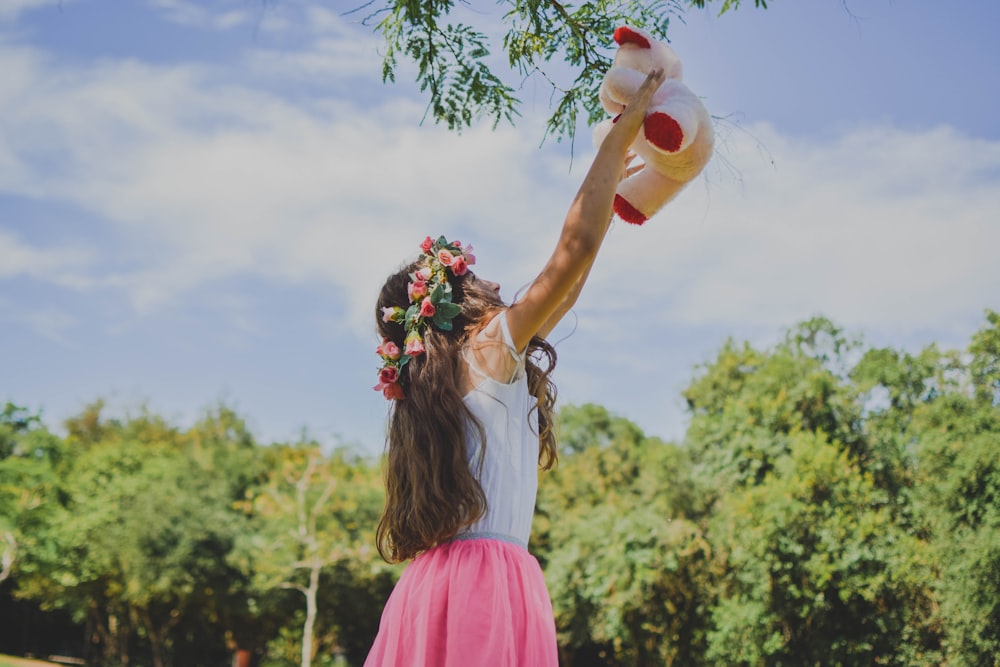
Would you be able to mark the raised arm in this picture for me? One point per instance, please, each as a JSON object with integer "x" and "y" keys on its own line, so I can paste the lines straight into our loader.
{"x": 583, "y": 230}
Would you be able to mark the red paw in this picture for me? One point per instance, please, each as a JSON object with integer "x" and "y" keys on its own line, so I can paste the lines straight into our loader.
{"x": 627, "y": 212}
{"x": 663, "y": 132}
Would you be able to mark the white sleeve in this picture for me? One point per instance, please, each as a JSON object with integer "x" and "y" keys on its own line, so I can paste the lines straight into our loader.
{"x": 508, "y": 339}
{"x": 492, "y": 353}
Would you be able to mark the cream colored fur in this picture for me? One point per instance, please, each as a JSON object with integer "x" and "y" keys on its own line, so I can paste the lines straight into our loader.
{"x": 667, "y": 169}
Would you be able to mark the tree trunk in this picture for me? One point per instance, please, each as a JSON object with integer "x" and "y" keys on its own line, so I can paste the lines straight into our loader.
{"x": 116, "y": 648}
{"x": 100, "y": 636}
{"x": 156, "y": 648}
{"x": 7, "y": 555}
{"x": 307, "y": 630}
{"x": 242, "y": 657}
{"x": 157, "y": 637}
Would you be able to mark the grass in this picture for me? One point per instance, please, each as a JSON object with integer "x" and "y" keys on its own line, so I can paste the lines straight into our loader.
{"x": 10, "y": 661}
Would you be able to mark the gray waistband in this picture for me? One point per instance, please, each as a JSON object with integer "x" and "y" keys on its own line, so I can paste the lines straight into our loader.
{"x": 489, "y": 535}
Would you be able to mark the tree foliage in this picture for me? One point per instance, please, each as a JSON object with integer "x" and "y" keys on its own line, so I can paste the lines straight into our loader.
{"x": 29, "y": 458}
{"x": 625, "y": 564}
{"x": 145, "y": 533}
{"x": 311, "y": 514}
{"x": 567, "y": 45}
{"x": 831, "y": 503}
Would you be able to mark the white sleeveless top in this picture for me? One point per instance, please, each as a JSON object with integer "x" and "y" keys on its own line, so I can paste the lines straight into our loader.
{"x": 509, "y": 474}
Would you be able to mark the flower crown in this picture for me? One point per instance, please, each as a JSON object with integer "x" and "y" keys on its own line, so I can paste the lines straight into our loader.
{"x": 430, "y": 297}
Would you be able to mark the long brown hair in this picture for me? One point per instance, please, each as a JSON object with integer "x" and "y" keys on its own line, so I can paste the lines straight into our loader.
{"x": 431, "y": 490}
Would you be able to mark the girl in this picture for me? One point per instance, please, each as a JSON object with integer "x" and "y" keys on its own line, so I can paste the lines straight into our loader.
{"x": 471, "y": 418}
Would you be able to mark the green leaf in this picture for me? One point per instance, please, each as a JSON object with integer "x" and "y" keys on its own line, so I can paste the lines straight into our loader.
{"x": 447, "y": 310}
{"x": 413, "y": 313}
{"x": 442, "y": 323}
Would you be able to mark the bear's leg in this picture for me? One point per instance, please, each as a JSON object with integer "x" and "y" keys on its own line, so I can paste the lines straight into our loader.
{"x": 627, "y": 212}
{"x": 663, "y": 132}
{"x": 674, "y": 118}
{"x": 643, "y": 194}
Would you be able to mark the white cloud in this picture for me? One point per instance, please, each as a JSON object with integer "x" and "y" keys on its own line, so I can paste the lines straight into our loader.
{"x": 329, "y": 60}
{"x": 212, "y": 179}
{"x": 11, "y": 9}
{"x": 220, "y": 15}
{"x": 879, "y": 228}
{"x": 197, "y": 184}
{"x": 60, "y": 265}
{"x": 206, "y": 175}
{"x": 53, "y": 324}
{"x": 308, "y": 47}
{"x": 288, "y": 18}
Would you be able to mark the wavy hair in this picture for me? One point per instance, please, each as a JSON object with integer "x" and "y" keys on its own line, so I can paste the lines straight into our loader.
{"x": 431, "y": 490}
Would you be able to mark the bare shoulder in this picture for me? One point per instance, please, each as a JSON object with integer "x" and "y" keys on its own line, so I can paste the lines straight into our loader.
{"x": 488, "y": 352}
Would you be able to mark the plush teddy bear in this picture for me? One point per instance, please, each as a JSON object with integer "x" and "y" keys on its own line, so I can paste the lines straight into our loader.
{"x": 677, "y": 139}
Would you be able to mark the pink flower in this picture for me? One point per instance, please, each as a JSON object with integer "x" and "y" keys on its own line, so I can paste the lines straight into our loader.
{"x": 416, "y": 290}
{"x": 457, "y": 244}
{"x": 427, "y": 244}
{"x": 388, "y": 383}
{"x": 389, "y": 350}
{"x": 445, "y": 257}
{"x": 459, "y": 266}
{"x": 426, "y": 307}
{"x": 393, "y": 391}
{"x": 424, "y": 273}
{"x": 414, "y": 345}
{"x": 470, "y": 259}
{"x": 391, "y": 313}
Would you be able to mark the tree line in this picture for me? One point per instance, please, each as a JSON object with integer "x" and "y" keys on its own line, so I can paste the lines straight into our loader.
{"x": 831, "y": 503}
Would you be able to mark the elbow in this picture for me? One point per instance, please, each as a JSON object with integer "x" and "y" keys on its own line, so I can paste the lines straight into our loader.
{"x": 582, "y": 244}
{"x": 569, "y": 302}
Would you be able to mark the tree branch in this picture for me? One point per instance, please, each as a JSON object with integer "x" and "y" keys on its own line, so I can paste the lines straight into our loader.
{"x": 8, "y": 555}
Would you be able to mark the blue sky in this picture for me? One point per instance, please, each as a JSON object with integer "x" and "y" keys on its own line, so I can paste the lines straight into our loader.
{"x": 199, "y": 200}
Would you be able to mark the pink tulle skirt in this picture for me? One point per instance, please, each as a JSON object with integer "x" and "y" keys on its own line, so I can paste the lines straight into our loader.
{"x": 468, "y": 603}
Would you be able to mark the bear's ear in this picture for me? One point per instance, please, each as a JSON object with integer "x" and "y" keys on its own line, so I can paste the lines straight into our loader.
{"x": 625, "y": 35}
